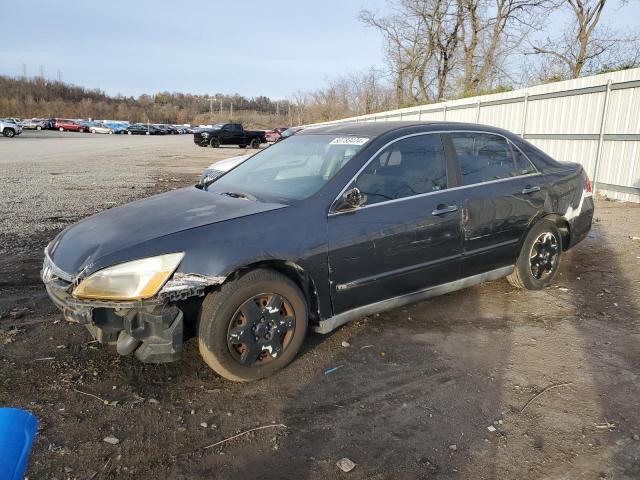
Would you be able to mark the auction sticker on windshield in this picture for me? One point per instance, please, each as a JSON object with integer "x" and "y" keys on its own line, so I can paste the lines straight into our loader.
{"x": 349, "y": 141}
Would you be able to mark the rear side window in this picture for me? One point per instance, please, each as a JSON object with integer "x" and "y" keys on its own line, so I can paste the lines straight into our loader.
{"x": 484, "y": 157}
{"x": 408, "y": 167}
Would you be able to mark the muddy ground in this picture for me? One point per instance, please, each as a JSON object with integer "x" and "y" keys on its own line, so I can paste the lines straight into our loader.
{"x": 489, "y": 382}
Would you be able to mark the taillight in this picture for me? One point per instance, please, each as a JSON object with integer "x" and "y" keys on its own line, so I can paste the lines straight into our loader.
{"x": 587, "y": 184}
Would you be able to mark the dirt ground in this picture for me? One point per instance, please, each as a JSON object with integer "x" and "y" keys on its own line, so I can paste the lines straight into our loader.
{"x": 489, "y": 382}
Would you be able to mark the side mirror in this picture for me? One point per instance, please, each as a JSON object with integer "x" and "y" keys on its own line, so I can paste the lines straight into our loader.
{"x": 350, "y": 199}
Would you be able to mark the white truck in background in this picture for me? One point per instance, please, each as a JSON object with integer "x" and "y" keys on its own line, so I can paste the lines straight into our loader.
{"x": 9, "y": 128}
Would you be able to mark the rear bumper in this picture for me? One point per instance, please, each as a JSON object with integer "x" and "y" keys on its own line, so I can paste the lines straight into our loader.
{"x": 580, "y": 224}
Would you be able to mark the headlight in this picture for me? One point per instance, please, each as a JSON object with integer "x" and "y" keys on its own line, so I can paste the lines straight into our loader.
{"x": 131, "y": 280}
{"x": 205, "y": 134}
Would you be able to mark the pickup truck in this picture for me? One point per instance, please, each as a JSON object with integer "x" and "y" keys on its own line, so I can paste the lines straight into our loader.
{"x": 228, "y": 134}
{"x": 9, "y": 128}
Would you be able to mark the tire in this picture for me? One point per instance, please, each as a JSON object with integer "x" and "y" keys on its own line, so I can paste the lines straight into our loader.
{"x": 129, "y": 133}
{"x": 9, "y": 132}
{"x": 81, "y": 130}
{"x": 61, "y": 129}
{"x": 93, "y": 131}
{"x": 38, "y": 127}
{"x": 221, "y": 310}
{"x": 214, "y": 142}
{"x": 255, "y": 143}
{"x": 242, "y": 146}
{"x": 539, "y": 258}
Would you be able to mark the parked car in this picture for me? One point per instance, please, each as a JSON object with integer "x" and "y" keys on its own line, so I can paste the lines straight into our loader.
{"x": 333, "y": 224}
{"x": 143, "y": 129}
{"x": 100, "y": 128}
{"x": 69, "y": 125}
{"x": 116, "y": 127}
{"x": 9, "y": 128}
{"x": 273, "y": 136}
{"x": 49, "y": 124}
{"x": 228, "y": 134}
{"x": 217, "y": 169}
{"x": 33, "y": 124}
{"x": 290, "y": 131}
{"x": 183, "y": 129}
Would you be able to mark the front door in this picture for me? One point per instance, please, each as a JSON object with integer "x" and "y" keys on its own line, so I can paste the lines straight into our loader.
{"x": 406, "y": 235}
{"x": 502, "y": 193}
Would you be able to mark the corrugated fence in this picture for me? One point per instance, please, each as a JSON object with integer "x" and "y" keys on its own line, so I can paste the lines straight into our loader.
{"x": 592, "y": 120}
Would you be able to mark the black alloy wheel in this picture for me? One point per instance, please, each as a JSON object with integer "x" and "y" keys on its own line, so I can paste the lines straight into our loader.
{"x": 539, "y": 258}
{"x": 544, "y": 255}
{"x": 253, "y": 326}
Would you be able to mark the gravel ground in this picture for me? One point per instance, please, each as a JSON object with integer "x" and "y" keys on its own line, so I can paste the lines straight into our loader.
{"x": 489, "y": 382}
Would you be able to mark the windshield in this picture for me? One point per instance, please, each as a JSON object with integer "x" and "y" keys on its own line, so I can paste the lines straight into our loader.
{"x": 291, "y": 170}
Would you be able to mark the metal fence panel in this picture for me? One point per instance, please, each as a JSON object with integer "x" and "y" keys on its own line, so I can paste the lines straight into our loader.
{"x": 592, "y": 120}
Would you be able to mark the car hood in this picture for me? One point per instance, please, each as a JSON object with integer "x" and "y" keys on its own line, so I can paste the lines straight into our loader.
{"x": 117, "y": 229}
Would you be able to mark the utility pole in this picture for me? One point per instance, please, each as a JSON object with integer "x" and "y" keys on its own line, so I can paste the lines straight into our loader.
{"x": 231, "y": 111}
{"x": 41, "y": 72}
{"x": 59, "y": 76}
{"x": 211, "y": 106}
{"x": 24, "y": 71}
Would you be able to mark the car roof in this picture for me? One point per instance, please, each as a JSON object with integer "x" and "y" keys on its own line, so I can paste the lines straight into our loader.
{"x": 375, "y": 129}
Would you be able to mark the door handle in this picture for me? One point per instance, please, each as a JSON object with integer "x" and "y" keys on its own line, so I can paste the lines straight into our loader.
{"x": 442, "y": 209}
{"x": 526, "y": 190}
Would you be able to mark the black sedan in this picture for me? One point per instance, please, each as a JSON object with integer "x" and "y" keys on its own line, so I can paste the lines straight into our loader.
{"x": 335, "y": 223}
{"x": 143, "y": 129}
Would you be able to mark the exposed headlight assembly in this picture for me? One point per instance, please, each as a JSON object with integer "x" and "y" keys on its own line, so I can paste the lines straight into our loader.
{"x": 134, "y": 280}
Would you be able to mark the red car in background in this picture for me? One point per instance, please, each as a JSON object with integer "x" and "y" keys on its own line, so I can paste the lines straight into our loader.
{"x": 69, "y": 125}
{"x": 274, "y": 135}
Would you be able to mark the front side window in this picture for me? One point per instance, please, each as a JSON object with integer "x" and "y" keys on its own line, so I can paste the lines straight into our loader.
{"x": 408, "y": 167}
{"x": 484, "y": 157}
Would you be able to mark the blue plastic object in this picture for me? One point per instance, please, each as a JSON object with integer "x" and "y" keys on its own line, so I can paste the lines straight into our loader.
{"x": 17, "y": 430}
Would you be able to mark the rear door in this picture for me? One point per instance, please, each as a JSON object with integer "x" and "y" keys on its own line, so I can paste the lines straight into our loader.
{"x": 406, "y": 235}
{"x": 502, "y": 192}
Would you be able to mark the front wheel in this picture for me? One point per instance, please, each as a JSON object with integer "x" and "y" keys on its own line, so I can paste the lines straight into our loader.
{"x": 61, "y": 129}
{"x": 8, "y": 132}
{"x": 539, "y": 258}
{"x": 38, "y": 127}
{"x": 253, "y": 326}
{"x": 129, "y": 133}
{"x": 215, "y": 142}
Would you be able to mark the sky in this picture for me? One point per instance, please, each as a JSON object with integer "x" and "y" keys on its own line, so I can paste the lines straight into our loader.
{"x": 250, "y": 47}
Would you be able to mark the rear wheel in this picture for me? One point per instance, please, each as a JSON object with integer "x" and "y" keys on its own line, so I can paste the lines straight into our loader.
{"x": 539, "y": 258}
{"x": 255, "y": 143}
{"x": 9, "y": 132}
{"x": 214, "y": 142}
{"x": 129, "y": 133}
{"x": 253, "y": 326}
{"x": 38, "y": 127}
{"x": 61, "y": 129}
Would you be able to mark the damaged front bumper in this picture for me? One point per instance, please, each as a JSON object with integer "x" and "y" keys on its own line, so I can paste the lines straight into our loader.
{"x": 151, "y": 328}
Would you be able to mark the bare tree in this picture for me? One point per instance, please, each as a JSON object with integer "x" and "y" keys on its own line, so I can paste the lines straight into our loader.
{"x": 587, "y": 45}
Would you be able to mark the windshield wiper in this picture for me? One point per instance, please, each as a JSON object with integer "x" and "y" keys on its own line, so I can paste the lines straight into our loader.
{"x": 245, "y": 196}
